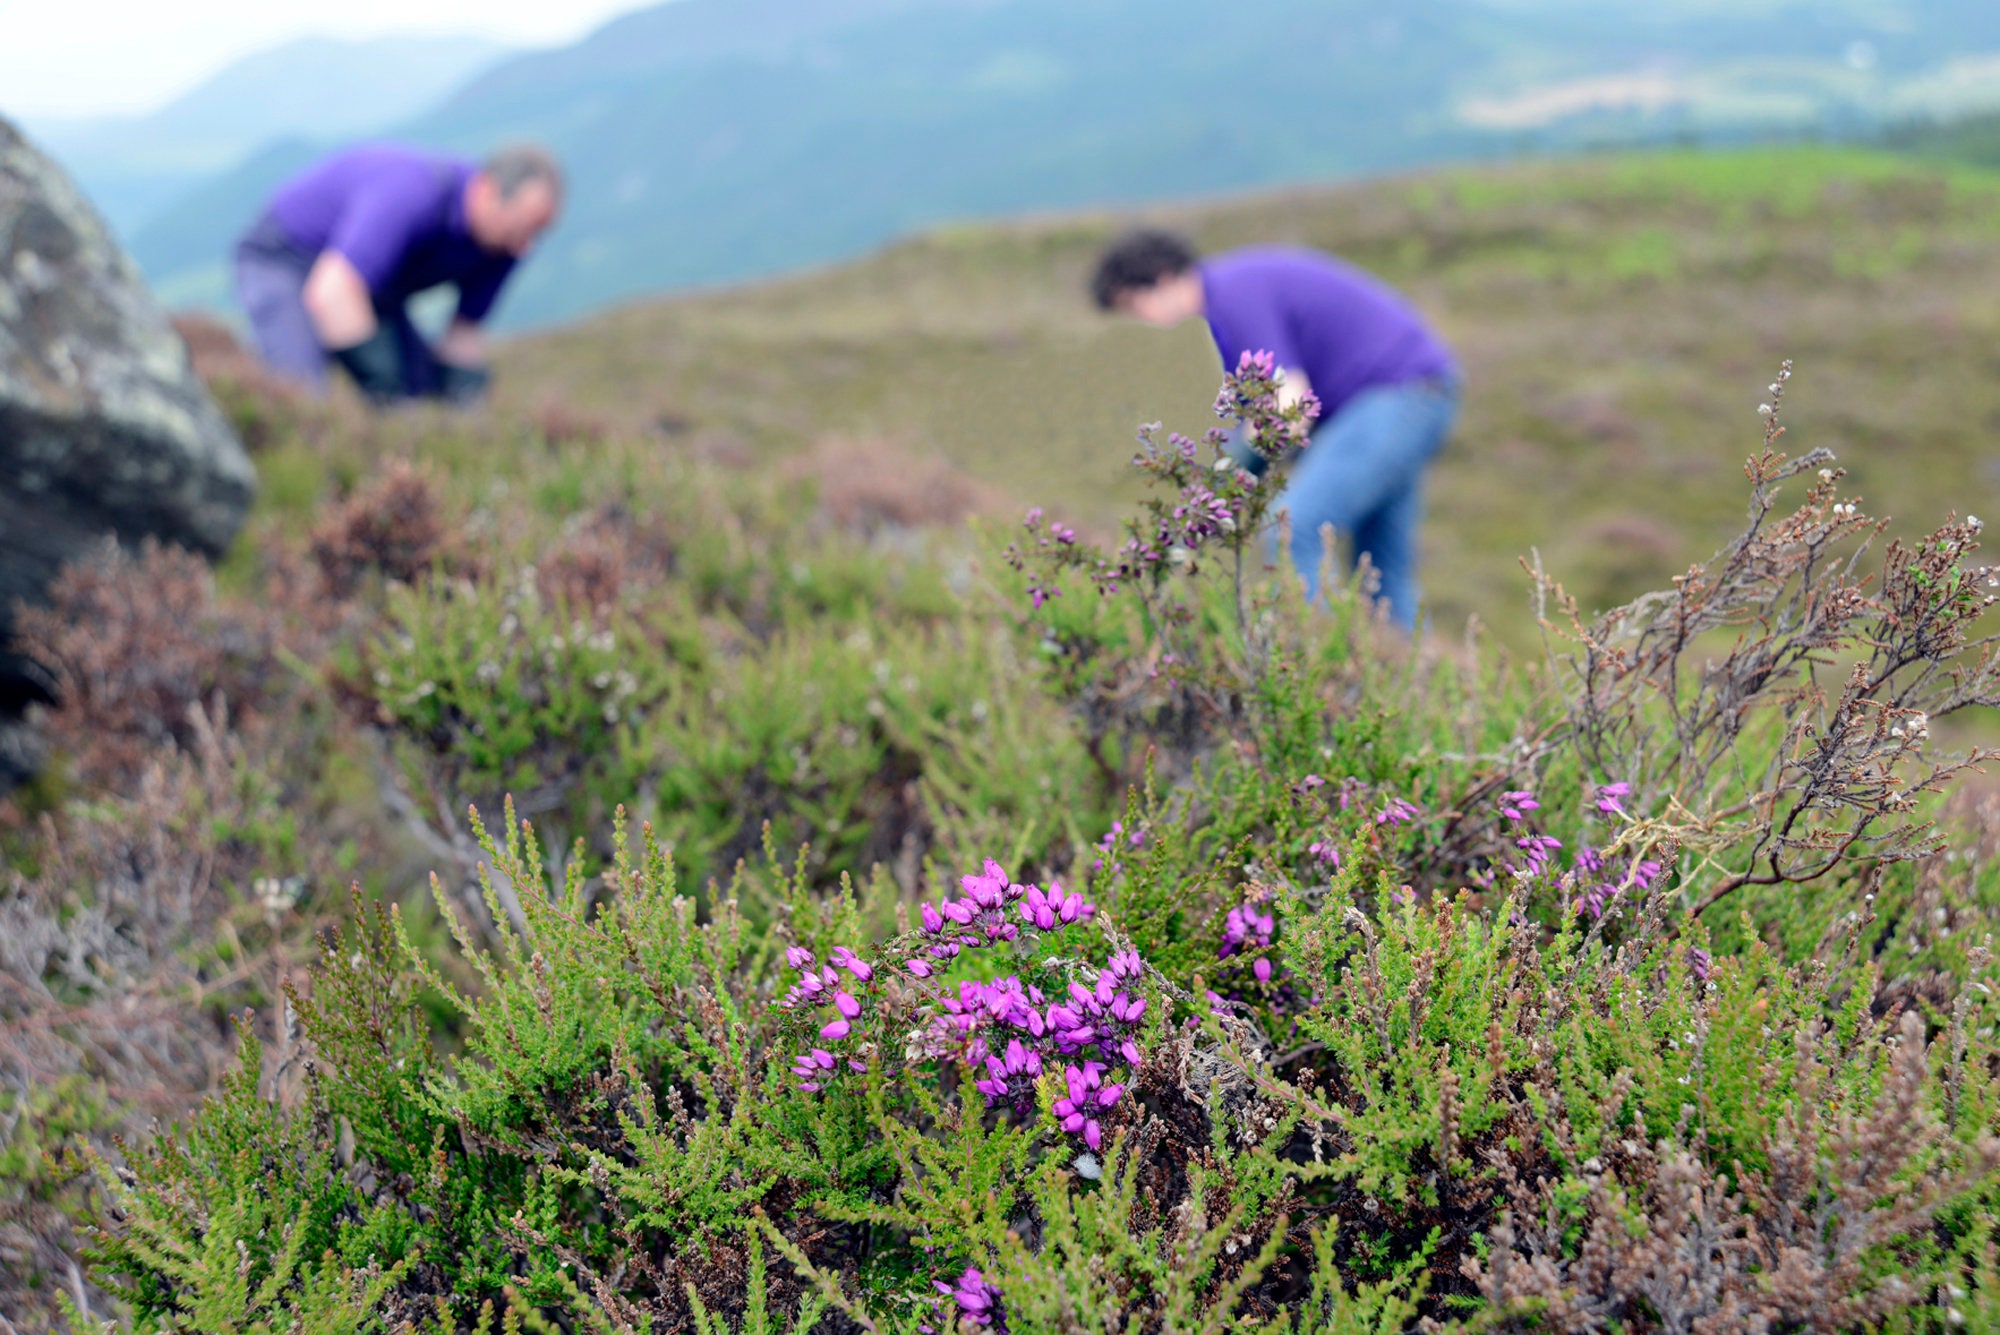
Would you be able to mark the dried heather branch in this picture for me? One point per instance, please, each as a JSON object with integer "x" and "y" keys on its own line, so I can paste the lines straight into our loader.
{"x": 1774, "y": 778}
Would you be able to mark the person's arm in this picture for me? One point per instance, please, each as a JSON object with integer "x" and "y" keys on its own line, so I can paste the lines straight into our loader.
{"x": 463, "y": 344}
{"x": 343, "y": 317}
{"x": 1293, "y": 385}
{"x": 337, "y": 301}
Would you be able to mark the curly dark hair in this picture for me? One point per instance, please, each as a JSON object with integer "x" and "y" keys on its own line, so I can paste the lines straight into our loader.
{"x": 1136, "y": 261}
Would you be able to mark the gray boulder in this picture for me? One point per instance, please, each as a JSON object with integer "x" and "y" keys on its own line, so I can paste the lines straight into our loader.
{"x": 103, "y": 427}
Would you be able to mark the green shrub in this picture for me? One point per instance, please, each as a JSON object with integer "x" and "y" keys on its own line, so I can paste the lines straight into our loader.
{"x": 1342, "y": 988}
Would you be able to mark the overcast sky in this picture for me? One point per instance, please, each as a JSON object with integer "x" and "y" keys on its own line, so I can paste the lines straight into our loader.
{"x": 67, "y": 57}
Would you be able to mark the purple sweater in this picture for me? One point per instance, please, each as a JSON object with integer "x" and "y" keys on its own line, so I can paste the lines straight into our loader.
{"x": 397, "y": 214}
{"x": 1345, "y": 329}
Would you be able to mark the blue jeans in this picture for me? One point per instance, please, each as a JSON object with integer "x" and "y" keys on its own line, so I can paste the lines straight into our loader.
{"x": 1363, "y": 473}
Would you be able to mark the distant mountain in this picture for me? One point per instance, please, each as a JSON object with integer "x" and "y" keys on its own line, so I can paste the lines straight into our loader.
{"x": 320, "y": 87}
{"x": 714, "y": 140}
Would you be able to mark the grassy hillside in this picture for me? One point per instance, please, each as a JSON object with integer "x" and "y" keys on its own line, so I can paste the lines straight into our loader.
{"x": 1386, "y": 953}
{"x": 1619, "y": 318}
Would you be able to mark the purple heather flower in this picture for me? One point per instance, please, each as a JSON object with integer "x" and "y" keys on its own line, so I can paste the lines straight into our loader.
{"x": 1327, "y": 852}
{"x": 918, "y": 968}
{"x": 978, "y": 1302}
{"x": 835, "y": 1031}
{"x": 812, "y": 1069}
{"x": 1244, "y": 929}
{"x": 1607, "y": 798}
{"x": 1396, "y": 812}
{"x": 1538, "y": 847}
{"x": 1074, "y": 1112}
{"x": 844, "y": 958}
{"x": 1016, "y": 1061}
{"x": 1699, "y": 963}
{"x": 1262, "y": 968}
{"x": 1052, "y": 908}
{"x": 1516, "y": 805}
{"x": 798, "y": 957}
{"x": 933, "y": 921}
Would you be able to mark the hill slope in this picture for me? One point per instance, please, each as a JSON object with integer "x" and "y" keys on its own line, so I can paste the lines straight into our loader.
{"x": 712, "y": 140}
{"x": 1619, "y": 318}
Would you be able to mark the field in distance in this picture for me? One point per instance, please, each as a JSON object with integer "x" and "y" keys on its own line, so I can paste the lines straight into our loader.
{"x": 1619, "y": 318}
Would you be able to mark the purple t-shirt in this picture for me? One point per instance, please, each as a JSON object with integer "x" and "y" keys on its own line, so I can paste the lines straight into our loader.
{"x": 397, "y": 214}
{"x": 1345, "y": 329}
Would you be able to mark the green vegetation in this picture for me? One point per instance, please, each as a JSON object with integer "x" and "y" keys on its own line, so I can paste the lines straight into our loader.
{"x": 780, "y": 905}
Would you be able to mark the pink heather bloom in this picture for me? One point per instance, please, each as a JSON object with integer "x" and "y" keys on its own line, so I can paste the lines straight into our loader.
{"x": 933, "y": 921}
{"x": 812, "y": 1069}
{"x": 835, "y": 1031}
{"x": 1538, "y": 847}
{"x": 846, "y": 959}
{"x": 1085, "y": 1096}
{"x": 1516, "y": 805}
{"x": 847, "y": 1006}
{"x": 1262, "y": 968}
{"x": 1607, "y": 798}
{"x": 917, "y": 968}
{"x": 1327, "y": 852}
{"x": 1699, "y": 963}
{"x": 1259, "y": 363}
{"x": 978, "y": 1302}
{"x": 798, "y": 957}
{"x": 1396, "y": 812}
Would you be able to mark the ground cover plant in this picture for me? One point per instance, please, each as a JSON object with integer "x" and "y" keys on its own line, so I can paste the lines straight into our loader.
{"x": 830, "y": 931}
{"x": 553, "y": 876}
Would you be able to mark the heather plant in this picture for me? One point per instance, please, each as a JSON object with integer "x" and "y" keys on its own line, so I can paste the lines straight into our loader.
{"x": 134, "y": 643}
{"x": 147, "y": 917}
{"x": 1775, "y": 707}
{"x": 1148, "y": 951}
{"x": 393, "y": 528}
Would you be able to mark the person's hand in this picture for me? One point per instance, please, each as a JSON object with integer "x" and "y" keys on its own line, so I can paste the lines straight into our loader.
{"x": 463, "y": 386}
{"x": 376, "y": 364}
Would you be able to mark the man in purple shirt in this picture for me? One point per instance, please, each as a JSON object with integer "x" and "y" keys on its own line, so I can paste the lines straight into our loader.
{"x": 1387, "y": 385}
{"x": 327, "y": 272}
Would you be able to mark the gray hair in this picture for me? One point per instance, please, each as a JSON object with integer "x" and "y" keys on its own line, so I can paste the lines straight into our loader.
{"x": 516, "y": 165}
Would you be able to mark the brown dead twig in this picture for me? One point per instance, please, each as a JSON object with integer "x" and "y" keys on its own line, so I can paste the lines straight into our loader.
{"x": 1778, "y": 775}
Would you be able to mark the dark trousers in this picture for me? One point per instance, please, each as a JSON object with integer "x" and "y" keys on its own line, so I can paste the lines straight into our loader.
{"x": 270, "y": 286}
